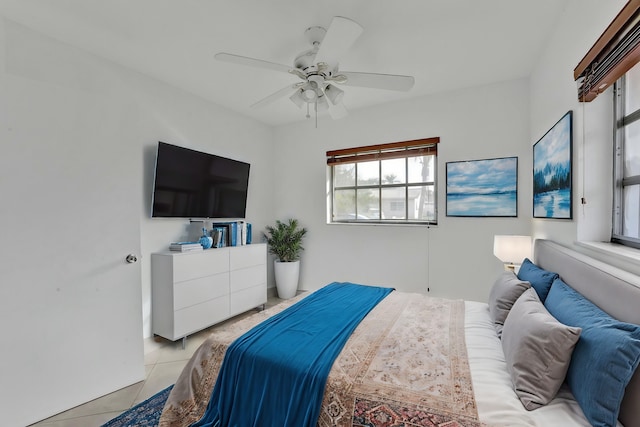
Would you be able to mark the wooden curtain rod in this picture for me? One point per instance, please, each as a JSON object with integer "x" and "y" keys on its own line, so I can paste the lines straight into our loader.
{"x": 423, "y": 151}
{"x": 609, "y": 34}
{"x": 388, "y": 146}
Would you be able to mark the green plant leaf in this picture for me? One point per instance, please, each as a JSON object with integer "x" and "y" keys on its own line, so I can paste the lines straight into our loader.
{"x": 285, "y": 240}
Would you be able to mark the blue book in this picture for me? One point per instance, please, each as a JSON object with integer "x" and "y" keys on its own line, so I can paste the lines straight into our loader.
{"x": 248, "y": 228}
{"x": 219, "y": 242}
{"x": 233, "y": 237}
{"x": 232, "y": 231}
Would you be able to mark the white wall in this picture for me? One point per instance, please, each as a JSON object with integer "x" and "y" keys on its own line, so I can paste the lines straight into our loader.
{"x": 454, "y": 258}
{"x": 161, "y": 113}
{"x": 553, "y": 93}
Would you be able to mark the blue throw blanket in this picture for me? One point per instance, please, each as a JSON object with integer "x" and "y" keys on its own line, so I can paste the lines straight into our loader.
{"x": 275, "y": 374}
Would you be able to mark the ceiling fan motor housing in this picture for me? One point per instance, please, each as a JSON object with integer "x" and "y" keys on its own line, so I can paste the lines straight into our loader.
{"x": 305, "y": 60}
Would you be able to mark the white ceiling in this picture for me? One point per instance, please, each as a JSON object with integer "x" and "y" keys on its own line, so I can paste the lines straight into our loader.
{"x": 444, "y": 44}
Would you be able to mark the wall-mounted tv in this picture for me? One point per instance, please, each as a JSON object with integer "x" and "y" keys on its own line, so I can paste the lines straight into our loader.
{"x": 193, "y": 184}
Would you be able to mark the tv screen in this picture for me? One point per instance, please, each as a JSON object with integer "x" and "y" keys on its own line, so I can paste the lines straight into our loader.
{"x": 193, "y": 184}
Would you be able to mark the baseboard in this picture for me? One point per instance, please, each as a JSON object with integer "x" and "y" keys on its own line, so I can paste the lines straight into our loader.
{"x": 272, "y": 292}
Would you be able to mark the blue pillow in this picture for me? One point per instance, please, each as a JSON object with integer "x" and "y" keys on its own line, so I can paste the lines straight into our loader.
{"x": 603, "y": 360}
{"x": 539, "y": 278}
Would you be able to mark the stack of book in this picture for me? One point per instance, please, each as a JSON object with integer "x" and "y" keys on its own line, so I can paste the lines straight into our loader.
{"x": 231, "y": 233}
{"x": 185, "y": 246}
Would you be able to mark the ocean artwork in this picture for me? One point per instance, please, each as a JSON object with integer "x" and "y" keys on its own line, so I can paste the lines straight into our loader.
{"x": 552, "y": 191}
{"x": 483, "y": 188}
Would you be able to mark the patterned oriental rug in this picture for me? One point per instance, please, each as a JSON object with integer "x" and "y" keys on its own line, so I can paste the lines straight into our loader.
{"x": 145, "y": 414}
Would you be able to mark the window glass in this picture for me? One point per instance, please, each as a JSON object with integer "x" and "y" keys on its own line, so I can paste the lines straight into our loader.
{"x": 394, "y": 171}
{"x": 626, "y": 167}
{"x": 344, "y": 204}
{"x": 369, "y": 173}
{"x": 344, "y": 175}
{"x": 394, "y": 203}
{"x": 631, "y": 211}
{"x": 368, "y": 204}
{"x": 424, "y": 206}
{"x": 633, "y": 89}
{"x": 632, "y": 149}
{"x": 421, "y": 169}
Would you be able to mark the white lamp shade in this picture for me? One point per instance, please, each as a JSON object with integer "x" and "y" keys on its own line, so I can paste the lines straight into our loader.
{"x": 334, "y": 94}
{"x": 298, "y": 98}
{"x": 322, "y": 104}
{"x": 512, "y": 249}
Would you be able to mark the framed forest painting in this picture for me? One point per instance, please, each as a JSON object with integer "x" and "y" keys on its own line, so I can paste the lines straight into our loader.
{"x": 483, "y": 188}
{"x": 552, "y": 174}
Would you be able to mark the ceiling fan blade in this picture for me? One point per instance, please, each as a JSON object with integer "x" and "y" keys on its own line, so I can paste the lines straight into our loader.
{"x": 378, "y": 81}
{"x": 341, "y": 35}
{"x": 251, "y": 62}
{"x": 287, "y": 90}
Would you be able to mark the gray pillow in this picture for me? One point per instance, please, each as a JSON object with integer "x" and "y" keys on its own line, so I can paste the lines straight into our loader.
{"x": 537, "y": 349}
{"x": 505, "y": 291}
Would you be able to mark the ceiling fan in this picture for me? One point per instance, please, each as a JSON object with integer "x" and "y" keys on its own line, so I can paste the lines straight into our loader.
{"x": 318, "y": 68}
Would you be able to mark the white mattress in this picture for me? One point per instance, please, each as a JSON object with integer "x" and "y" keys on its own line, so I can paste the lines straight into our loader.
{"x": 498, "y": 405}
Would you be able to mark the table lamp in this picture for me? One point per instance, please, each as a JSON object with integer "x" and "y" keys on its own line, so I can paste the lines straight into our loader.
{"x": 512, "y": 250}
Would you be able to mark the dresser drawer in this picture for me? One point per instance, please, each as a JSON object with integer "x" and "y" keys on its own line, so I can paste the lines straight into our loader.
{"x": 247, "y": 256}
{"x": 188, "y": 266}
{"x": 247, "y": 278}
{"x": 192, "y": 292}
{"x": 247, "y": 299}
{"x": 200, "y": 316}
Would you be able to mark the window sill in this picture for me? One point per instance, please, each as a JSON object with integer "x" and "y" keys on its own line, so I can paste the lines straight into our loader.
{"x": 384, "y": 224}
{"x": 620, "y": 252}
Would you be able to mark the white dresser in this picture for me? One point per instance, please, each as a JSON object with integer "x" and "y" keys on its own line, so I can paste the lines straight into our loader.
{"x": 191, "y": 291}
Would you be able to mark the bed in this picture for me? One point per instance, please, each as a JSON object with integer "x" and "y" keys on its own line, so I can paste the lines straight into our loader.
{"x": 416, "y": 360}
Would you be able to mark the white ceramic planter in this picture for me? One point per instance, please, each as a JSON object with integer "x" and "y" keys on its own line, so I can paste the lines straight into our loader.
{"x": 287, "y": 274}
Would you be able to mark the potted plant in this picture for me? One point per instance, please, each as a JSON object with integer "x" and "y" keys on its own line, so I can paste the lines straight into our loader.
{"x": 285, "y": 242}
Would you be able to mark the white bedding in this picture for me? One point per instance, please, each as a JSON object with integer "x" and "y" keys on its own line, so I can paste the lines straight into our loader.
{"x": 498, "y": 405}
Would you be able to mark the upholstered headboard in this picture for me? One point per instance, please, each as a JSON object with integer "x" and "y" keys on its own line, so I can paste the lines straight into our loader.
{"x": 615, "y": 291}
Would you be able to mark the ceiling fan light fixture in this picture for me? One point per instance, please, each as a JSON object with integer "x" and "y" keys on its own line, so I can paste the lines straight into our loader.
{"x": 334, "y": 94}
{"x": 322, "y": 104}
{"x": 309, "y": 94}
{"x": 298, "y": 99}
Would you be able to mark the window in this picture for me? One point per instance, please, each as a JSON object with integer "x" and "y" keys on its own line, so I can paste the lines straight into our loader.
{"x": 626, "y": 192}
{"x": 391, "y": 183}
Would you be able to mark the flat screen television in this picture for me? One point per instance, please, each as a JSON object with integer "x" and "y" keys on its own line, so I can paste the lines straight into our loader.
{"x": 193, "y": 184}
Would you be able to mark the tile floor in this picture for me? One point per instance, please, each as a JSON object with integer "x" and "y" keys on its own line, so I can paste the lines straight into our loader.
{"x": 163, "y": 361}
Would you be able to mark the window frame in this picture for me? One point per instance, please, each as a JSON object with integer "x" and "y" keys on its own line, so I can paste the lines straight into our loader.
{"x": 621, "y": 120}
{"x": 396, "y": 150}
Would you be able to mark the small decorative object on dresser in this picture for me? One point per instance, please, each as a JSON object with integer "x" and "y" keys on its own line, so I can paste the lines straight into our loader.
{"x": 285, "y": 242}
{"x": 206, "y": 241}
